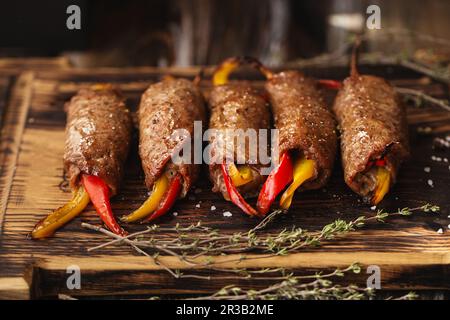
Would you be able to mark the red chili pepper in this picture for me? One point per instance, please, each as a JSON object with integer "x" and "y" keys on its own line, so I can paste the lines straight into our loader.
{"x": 235, "y": 196}
{"x": 278, "y": 179}
{"x": 99, "y": 194}
{"x": 330, "y": 84}
{"x": 169, "y": 199}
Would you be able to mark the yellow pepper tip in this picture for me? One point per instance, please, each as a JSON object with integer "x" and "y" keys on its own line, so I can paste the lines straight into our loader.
{"x": 383, "y": 177}
{"x": 59, "y": 217}
{"x": 241, "y": 175}
{"x": 151, "y": 204}
{"x": 303, "y": 170}
{"x": 220, "y": 76}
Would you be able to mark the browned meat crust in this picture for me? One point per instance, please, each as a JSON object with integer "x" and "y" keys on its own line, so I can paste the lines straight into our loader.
{"x": 165, "y": 107}
{"x": 305, "y": 123}
{"x": 236, "y": 106}
{"x": 373, "y": 123}
{"x": 98, "y": 134}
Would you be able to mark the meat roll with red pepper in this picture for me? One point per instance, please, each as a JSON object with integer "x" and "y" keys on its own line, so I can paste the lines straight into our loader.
{"x": 307, "y": 139}
{"x": 374, "y": 134}
{"x": 237, "y": 109}
{"x": 165, "y": 108}
{"x": 98, "y": 134}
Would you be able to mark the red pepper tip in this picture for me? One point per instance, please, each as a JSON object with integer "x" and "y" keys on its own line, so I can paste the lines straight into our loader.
{"x": 99, "y": 194}
{"x": 234, "y": 194}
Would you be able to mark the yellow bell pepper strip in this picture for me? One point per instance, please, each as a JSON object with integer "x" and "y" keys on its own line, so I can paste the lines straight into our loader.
{"x": 99, "y": 194}
{"x": 303, "y": 170}
{"x": 330, "y": 84}
{"x": 241, "y": 175}
{"x": 234, "y": 194}
{"x": 221, "y": 74}
{"x": 151, "y": 204}
{"x": 47, "y": 226}
{"x": 277, "y": 180}
{"x": 169, "y": 199}
{"x": 383, "y": 182}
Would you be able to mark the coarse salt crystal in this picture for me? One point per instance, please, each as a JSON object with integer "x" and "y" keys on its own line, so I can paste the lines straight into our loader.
{"x": 197, "y": 205}
{"x": 427, "y": 169}
{"x": 373, "y": 207}
{"x": 440, "y": 231}
{"x": 175, "y": 214}
{"x": 213, "y": 208}
{"x": 430, "y": 183}
{"x": 227, "y": 214}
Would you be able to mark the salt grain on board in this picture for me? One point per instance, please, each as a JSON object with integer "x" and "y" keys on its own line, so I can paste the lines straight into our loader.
{"x": 213, "y": 208}
{"x": 427, "y": 169}
{"x": 430, "y": 183}
{"x": 440, "y": 231}
{"x": 227, "y": 214}
{"x": 175, "y": 214}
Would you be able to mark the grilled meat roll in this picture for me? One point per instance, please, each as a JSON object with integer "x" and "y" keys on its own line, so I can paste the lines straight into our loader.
{"x": 307, "y": 139}
{"x": 306, "y": 125}
{"x": 236, "y": 106}
{"x": 374, "y": 134}
{"x": 238, "y": 113}
{"x": 98, "y": 135}
{"x": 165, "y": 108}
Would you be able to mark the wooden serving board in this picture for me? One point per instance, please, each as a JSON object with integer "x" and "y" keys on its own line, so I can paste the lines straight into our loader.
{"x": 411, "y": 253}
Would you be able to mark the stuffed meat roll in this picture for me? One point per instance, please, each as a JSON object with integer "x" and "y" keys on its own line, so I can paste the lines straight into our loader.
{"x": 238, "y": 112}
{"x": 98, "y": 134}
{"x": 374, "y": 134}
{"x": 166, "y": 115}
{"x": 307, "y": 140}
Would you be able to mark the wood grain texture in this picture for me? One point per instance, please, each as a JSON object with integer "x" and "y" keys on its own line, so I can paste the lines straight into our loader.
{"x": 409, "y": 251}
{"x": 14, "y": 66}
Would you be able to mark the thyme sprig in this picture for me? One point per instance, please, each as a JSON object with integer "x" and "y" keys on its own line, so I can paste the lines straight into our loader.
{"x": 197, "y": 245}
{"x": 320, "y": 287}
{"x": 419, "y": 97}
